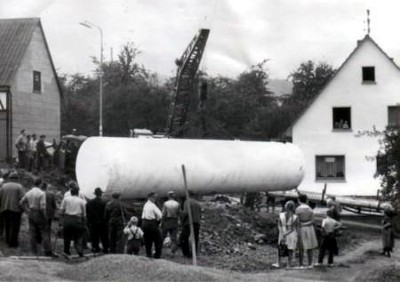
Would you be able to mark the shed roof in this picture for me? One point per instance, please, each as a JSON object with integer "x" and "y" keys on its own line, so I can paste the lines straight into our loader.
{"x": 15, "y": 36}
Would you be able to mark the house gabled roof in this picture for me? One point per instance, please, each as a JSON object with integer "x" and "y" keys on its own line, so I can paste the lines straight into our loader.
{"x": 15, "y": 36}
{"x": 359, "y": 44}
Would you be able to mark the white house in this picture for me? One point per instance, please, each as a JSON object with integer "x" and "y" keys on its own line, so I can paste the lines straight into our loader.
{"x": 363, "y": 96}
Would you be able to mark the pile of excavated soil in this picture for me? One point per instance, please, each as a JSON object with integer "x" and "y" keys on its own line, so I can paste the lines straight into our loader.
{"x": 137, "y": 268}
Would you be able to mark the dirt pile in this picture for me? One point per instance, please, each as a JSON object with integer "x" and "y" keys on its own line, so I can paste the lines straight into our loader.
{"x": 230, "y": 228}
{"x": 138, "y": 268}
{"x": 236, "y": 238}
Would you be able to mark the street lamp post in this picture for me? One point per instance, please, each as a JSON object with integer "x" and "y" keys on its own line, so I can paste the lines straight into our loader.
{"x": 91, "y": 25}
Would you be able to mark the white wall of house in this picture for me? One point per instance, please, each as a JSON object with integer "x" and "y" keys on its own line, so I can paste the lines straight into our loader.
{"x": 369, "y": 102}
{"x": 38, "y": 113}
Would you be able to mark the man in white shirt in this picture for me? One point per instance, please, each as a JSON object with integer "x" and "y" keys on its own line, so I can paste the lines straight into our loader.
{"x": 170, "y": 214}
{"x": 151, "y": 217}
{"x": 34, "y": 203}
{"x": 73, "y": 210}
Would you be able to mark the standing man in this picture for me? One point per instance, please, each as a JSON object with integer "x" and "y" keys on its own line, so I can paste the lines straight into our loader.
{"x": 195, "y": 209}
{"x": 151, "y": 218}
{"x": 115, "y": 215}
{"x": 98, "y": 228}
{"x": 20, "y": 144}
{"x": 33, "y": 147}
{"x": 43, "y": 155}
{"x": 34, "y": 203}
{"x": 170, "y": 219}
{"x": 73, "y": 210}
{"x": 51, "y": 205}
{"x": 308, "y": 238}
{"x": 10, "y": 195}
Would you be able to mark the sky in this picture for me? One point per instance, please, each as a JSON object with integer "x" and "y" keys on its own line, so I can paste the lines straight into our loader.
{"x": 243, "y": 32}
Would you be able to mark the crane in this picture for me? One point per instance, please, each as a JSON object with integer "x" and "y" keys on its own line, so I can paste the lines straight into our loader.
{"x": 188, "y": 66}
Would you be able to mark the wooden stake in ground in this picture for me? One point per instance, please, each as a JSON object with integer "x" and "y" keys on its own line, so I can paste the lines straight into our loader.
{"x": 194, "y": 257}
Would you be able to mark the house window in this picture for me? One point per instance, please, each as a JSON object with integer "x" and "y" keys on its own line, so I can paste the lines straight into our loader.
{"x": 330, "y": 167}
{"x": 394, "y": 115}
{"x": 368, "y": 74}
{"x": 37, "y": 82}
{"x": 3, "y": 101}
{"x": 341, "y": 118}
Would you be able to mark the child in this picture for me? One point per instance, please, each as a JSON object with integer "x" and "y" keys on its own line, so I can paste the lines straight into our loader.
{"x": 135, "y": 236}
{"x": 328, "y": 243}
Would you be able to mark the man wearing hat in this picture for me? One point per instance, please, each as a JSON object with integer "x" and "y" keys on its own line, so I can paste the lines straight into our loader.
{"x": 151, "y": 217}
{"x": 10, "y": 195}
{"x": 170, "y": 215}
{"x": 97, "y": 225}
{"x": 115, "y": 214}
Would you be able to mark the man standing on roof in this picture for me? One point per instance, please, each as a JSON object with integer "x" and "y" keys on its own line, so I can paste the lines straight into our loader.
{"x": 98, "y": 228}
{"x": 170, "y": 220}
{"x": 151, "y": 218}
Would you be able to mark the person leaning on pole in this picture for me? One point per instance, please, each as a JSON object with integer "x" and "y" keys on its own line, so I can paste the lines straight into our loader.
{"x": 195, "y": 209}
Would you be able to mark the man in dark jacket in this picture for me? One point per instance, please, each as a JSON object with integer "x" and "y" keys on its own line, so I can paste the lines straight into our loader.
{"x": 115, "y": 215}
{"x": 98, "y": 228}
{"x": 195, "y": 209}
{"x": 43, "y": 154}
{"x": 10, "y": 195}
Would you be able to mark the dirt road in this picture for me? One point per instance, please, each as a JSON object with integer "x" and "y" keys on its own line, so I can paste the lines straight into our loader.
{"x": 361, "y": 264}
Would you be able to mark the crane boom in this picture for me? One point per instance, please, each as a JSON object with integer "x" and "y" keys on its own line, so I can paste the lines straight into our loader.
{"x": 188, "y": 66}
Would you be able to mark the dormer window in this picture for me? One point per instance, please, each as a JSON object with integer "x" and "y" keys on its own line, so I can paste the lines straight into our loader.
{"x": 368, "y": 74}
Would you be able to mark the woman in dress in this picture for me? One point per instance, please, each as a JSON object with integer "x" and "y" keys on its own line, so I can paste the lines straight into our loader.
{"x": 287, "y": 225}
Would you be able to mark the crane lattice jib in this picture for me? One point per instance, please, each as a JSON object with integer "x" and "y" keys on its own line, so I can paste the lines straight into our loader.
{"x": 188, "y": 66}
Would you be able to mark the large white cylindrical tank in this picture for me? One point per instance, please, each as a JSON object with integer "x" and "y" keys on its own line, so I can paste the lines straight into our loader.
{"x": 136, "y": 167}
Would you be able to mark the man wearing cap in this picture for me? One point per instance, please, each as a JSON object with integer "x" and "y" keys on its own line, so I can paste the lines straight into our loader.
{"x": 151, "y": 217}
{"x": 34, "y": 203}
{"x": 115, "y": 214}
{"x": 98, "y": 228}
{"x": 170, "y": 216}
{"x": 10, "y": 195}
{"x": 73, "y": 210}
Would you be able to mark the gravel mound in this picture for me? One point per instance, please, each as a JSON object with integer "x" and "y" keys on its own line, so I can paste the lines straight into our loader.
{"x": 137, "y": 268}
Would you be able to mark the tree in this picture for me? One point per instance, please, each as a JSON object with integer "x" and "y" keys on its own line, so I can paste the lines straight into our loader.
{"x": 308, "y": 80}
{"x": 389, "y": 164}
{"x": 133, "y": 98}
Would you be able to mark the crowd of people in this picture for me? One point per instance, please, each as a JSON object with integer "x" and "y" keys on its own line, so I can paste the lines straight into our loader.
{"x": 110, "y": 226}
{"x": 32, "y": 152}
{"x": 113, "y": 227}
{"x": 297, "y": 232}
